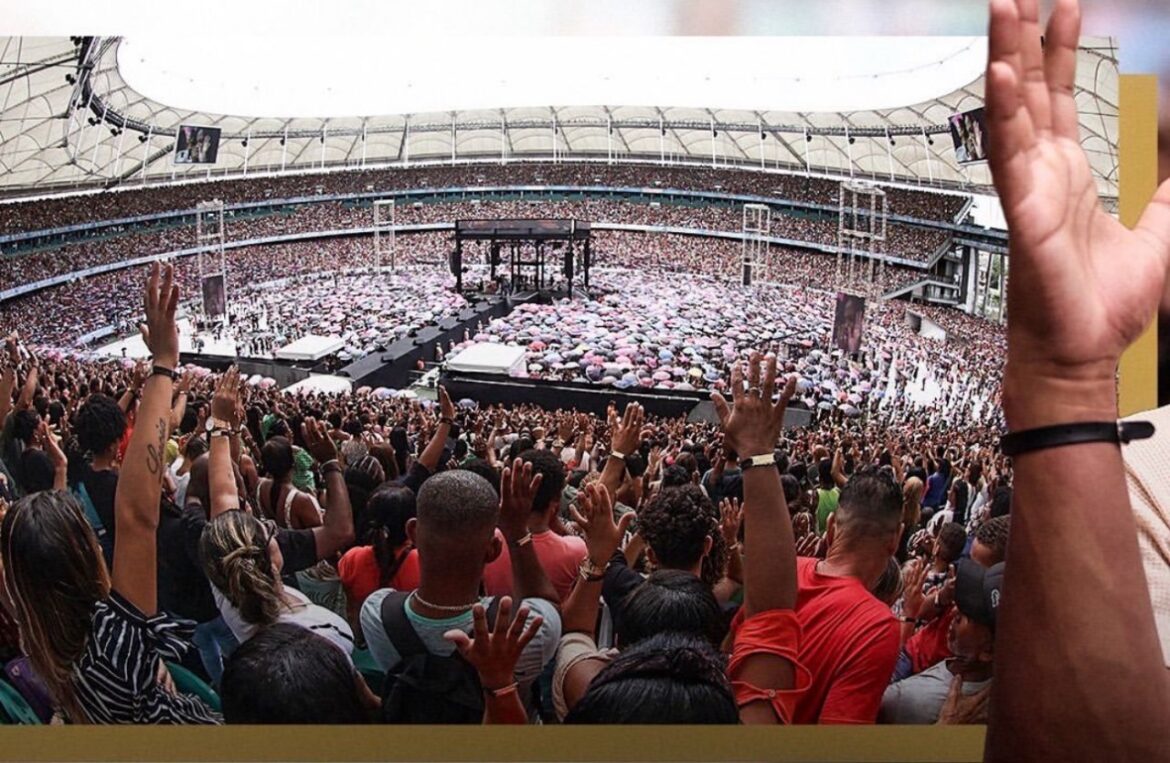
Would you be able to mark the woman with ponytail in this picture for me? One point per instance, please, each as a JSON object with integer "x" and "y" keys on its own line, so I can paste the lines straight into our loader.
{"x": 240, "y": 553}
{"x": 94, "y": 633}
{"x": 387, "y": 560}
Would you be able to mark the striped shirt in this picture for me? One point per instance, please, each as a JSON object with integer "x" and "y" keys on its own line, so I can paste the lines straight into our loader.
{"x": 116, "y": 678}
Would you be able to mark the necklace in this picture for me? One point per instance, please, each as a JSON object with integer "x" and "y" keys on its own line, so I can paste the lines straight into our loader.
{"x": 440, "y": 607}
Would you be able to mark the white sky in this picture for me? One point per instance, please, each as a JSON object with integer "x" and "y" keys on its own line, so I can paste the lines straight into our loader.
{"x": 335, "y": 76}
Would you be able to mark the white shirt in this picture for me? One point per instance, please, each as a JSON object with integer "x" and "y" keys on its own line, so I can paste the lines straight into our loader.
{"x": 309, "y": 616}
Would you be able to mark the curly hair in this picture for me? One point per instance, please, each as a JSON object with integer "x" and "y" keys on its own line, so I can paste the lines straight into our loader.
{"x": 994, "y": 534}
{"x": 99, "y": 423}
{"x": 676, "y": 525}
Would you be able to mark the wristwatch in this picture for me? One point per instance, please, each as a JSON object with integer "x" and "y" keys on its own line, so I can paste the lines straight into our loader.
{"x": 214, "y": 423}
{"x": 767, "y": 459}
{"x": 591, "y": 572}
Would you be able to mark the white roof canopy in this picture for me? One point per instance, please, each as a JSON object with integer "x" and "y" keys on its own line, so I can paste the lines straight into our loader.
{"x": 116, "y": 134}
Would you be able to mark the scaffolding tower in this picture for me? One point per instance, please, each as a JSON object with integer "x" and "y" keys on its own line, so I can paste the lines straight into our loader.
{"x": 384, "y": 238}
{"x": 757, "y": 229}
{"x": 861, "y": 237}
{"x": 210, "y": 256}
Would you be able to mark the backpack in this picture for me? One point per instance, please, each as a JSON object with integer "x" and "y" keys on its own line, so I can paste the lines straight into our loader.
{"x": 425, "y": 687}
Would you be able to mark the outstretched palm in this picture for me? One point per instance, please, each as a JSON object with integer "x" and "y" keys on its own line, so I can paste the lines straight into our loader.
{"x": 1083, "y": 286}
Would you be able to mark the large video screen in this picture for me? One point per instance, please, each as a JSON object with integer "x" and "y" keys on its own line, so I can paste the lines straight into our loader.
{"x": 969, "y": 134}
{"x": 197, "y": 145}
{"x": 849, "y": 323}
{"x": 214, "y": 296}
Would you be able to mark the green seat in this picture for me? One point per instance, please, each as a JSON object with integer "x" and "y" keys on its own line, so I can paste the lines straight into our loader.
{"x": 365, "y": 664}
{"x": 189, "y": 683}
{"x": 14, "y": 709}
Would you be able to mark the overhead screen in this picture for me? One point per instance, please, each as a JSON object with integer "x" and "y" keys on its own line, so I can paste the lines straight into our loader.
{"x": 969, "y": 134}
{"x": 197, "y": 145}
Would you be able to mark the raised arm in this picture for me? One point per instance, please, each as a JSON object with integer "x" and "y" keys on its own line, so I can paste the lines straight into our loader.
{"x": 136, "y": 500}
{"x": 751, "y": 427}
{"x": 56, "y": 455}
{"x": 220, "y": 472}
{"x": 624, "y": 440}
{"x": 336, "y": 532}
{"x": 29, "y": 390}
{"x": 603, "y": 537}
{"x": 1082, "y": 288}
{"x": 179, "y": 408}
{"x": 838, "y": 469}
{"x": 517, "y": 490}
{"x": 434, "y": 449}
{"x": 7, "y": 388}
{"x": 494, "y": 655}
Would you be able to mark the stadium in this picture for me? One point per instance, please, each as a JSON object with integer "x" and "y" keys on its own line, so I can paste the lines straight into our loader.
{"x": 392, "y": 316}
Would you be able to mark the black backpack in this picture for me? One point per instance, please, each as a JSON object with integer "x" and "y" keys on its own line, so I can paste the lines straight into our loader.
{"x": 425, "y": 687}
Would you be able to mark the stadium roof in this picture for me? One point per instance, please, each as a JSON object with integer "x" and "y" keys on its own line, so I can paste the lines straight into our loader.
{"x": 69, "y": 120}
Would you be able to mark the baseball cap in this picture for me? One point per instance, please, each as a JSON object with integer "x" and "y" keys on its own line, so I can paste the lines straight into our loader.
{"x": 977, "y": 591}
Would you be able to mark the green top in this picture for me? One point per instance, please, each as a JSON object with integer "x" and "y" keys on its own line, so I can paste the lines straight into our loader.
{"x": 826, "y": 505}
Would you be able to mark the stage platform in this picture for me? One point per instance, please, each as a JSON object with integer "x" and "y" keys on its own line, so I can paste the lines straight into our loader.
{"x": 134, "y": 348}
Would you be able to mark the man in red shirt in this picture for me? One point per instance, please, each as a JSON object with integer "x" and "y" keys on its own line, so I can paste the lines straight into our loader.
{"x": 849, "y": 640}
{"x": 559, "y": 555}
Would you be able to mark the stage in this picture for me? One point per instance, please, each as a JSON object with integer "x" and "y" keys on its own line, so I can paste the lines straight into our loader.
{"x": 134, "y": 348}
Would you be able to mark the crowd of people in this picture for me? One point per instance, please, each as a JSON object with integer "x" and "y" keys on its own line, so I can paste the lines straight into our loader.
{"x": 54, "y": 316}
{"x": 353, "y": 545}
{"x": 368, "y": 311}
{"x": 638, "y": 330}
{"x": 44, "y": 214}
{"x": 903, "y": 241}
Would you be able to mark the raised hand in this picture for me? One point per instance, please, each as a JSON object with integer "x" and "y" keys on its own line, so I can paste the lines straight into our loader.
{"x": 913, "y": 595}
{"x": 752, "y": 425}
{"x": 625, "y": 437}
{"x": 1082, "y": 286}
{"x": 812, "y": 545}
{"x": 160, "y": 332}
{"x": 517, "y": 491}
{"x": 730, "y": 515}
{"x": 494, "y": 653}
{"x": 51, "y": 446}
{"x": 603, "y": 536}
{"x": 225, "y": 404}
{"x": 446, "y": 407}
{"x": 317, "y": 440}
{"x": 565, "y": 429}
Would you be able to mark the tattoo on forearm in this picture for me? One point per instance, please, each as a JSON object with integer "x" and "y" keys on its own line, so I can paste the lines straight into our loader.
{"x": 155, "y": 454}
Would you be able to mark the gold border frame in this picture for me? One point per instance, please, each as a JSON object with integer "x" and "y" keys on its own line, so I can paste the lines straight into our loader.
{"x": 1138, "y": 384}
{"x": 1138, "y": 391}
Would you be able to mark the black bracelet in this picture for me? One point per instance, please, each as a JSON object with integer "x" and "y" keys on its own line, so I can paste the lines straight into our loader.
{"x": 163, "y": 371}
{"x": 1122, "y": 432}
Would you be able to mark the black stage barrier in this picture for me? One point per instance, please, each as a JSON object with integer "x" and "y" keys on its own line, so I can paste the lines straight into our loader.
{"x": 493, "y": 389}
{"x": 393, "y": 366}
{"x": 286, "y": 373}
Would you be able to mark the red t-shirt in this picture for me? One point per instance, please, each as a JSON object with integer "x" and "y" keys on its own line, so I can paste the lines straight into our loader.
{"x": 559, "y": 555}
{"x": 849, "y": 643}
{"x": 360, "y": 576}
{"x": 928, "y": 647}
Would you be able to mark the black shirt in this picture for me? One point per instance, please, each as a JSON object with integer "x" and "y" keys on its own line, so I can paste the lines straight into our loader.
{"x": 297, "y": 547}
{"x": 619, "y": 581}
{"x": 101, "y": 486}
